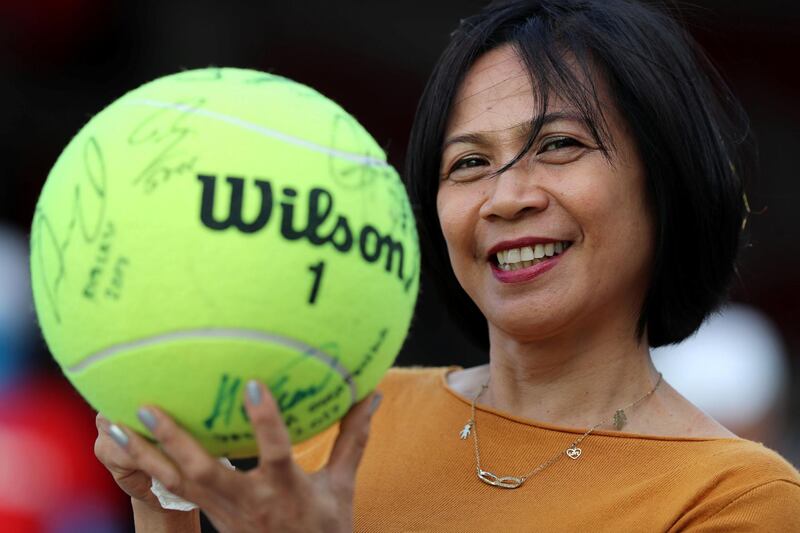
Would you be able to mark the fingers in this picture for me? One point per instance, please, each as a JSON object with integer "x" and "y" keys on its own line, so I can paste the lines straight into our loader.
{"x": 349, "y": 446}
{"x": 194, "y": 465}
{"x": 102, "y": 423}
{"x": 180, "y": 464}
{"x": 271, "y": 435}
{"x": 109, "y": 452}
{"x": 146, "y": 457}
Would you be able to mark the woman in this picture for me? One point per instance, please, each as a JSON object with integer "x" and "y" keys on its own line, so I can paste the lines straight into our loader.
{"x": 578, "y": 168}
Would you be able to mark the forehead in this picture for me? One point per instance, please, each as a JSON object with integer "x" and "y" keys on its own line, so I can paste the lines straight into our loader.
{"x": 495, "y": 94}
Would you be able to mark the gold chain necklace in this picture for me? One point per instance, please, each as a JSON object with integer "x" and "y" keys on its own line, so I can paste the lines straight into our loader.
{"x": 573, "y": 452}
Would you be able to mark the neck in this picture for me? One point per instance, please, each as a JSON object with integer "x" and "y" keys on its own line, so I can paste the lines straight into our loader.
{"x": 569, "y": 380}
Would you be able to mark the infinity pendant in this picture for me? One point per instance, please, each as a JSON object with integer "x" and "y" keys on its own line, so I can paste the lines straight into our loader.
{"x": 505, "y": 482}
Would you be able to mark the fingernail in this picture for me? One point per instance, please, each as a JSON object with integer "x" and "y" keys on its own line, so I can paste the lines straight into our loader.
{"x": 118, "y": 435}
{"x": 253, "y": 392}
{"x": 147, "y": 418}
{"x": 376, "y": 401}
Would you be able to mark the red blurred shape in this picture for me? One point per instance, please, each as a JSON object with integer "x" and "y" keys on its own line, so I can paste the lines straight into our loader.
{"x": 47, "y": 435}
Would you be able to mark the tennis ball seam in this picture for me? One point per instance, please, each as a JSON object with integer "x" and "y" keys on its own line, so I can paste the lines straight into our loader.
{"x": 261, "y": 130}
{"x": 222, "y": 333}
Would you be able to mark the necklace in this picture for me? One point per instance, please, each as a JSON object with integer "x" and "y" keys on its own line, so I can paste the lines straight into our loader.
{"x": 573, "y": 452}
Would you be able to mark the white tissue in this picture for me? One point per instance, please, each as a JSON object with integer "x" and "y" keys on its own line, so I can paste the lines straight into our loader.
{"x": 176, "y": 503}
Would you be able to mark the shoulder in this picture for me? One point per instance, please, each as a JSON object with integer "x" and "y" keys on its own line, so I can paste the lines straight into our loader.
{"x": 746, "y": 487}
{"x": 771, "y": 506}
{"x": 751, "y": 461}
{"x": 756, "y": 490}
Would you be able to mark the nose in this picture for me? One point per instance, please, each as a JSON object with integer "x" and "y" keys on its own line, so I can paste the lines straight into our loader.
{"x": 513, "y": 193}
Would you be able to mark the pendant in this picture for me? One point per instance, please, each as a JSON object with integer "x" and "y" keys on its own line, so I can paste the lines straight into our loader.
{"x": 466, "y": 430}
{"x": 504, "y": 482}
{"x": 574, "y": 452}
{"x": 619, "y": 419}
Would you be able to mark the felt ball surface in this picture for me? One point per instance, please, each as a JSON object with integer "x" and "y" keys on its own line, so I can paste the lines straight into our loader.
{"x": 215, "y": 226}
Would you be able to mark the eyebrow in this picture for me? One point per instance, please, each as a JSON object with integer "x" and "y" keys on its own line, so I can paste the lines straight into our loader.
{"x": 522, "y": 128}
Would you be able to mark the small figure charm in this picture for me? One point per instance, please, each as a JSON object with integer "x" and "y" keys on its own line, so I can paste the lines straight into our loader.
{"x": 466, "y": 430}
{"x": 620, "y": 419}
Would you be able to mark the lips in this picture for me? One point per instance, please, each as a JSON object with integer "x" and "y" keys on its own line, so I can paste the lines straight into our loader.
{"x": 524, "y": 259}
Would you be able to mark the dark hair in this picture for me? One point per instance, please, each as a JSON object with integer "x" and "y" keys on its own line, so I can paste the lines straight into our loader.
{"x": 692, "y": 136}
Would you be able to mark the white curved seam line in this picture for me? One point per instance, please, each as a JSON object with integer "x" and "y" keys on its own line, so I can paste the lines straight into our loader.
{"x": 223, "y": 333}
{"x": 261, "y": 130}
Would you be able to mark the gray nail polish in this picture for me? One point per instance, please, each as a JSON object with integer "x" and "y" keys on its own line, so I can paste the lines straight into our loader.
{"x": 118, "y": 435}
{"x": 147, "y": 418}
{"x": 253, "y": 392}
{"x": 376, "y": 401}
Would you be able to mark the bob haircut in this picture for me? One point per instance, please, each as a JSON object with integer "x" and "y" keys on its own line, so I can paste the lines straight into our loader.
{"x": 691, "y": 133}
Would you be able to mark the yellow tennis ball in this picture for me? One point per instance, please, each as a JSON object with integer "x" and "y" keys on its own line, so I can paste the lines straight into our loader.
{"x": 215, "y": 226}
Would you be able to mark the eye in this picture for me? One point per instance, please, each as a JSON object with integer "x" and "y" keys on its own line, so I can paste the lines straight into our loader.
{"x": 470, "y": 161}
{"x": 557, "y": 143}
{"x": 466, "y": 168}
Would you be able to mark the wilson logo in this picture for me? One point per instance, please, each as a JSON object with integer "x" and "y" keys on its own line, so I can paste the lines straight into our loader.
{"x": 339, "y": 233}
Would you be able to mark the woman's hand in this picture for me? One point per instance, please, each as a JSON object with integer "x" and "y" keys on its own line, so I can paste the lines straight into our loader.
{"x": 275, "y": 496}
{"x": 122, "y": 466}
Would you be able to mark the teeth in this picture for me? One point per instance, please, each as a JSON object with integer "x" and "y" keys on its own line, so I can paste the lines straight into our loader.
{"x": 526, "y": 253}
{"x": 516, "y": 258}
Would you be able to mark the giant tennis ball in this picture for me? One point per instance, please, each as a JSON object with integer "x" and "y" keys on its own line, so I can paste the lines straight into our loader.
{"x": 219, "y": 225}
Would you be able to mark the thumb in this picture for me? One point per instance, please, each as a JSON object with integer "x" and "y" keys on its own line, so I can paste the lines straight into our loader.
{"x": 349, "y": 446}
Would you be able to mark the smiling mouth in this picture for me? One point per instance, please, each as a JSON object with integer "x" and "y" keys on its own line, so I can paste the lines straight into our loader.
{"x": 526, "y": 256}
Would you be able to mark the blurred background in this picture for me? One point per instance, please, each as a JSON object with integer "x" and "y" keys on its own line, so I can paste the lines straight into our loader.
{"x": 64, "y": 60}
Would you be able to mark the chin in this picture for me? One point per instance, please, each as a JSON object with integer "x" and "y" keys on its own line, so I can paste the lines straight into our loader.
{"x": 527, "y": 327}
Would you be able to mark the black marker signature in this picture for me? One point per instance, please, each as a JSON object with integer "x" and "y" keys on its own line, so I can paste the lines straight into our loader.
{"x": 165, "y": 130}
{"x": 50, "y": 238}
{"x": 344, "y": 172}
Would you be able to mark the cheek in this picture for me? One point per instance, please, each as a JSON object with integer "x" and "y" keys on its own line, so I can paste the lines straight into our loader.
{"x": 457, "y": 219}
{"x": 610, "y": 207}
{"x": 619, "y": 233}
{"x": 608, "y": 203}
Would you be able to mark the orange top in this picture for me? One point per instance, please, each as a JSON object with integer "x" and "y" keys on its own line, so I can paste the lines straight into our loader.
{"x": 417, "y": 475}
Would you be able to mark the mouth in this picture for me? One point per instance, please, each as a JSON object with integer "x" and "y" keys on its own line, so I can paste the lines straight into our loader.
{"x": 509, "y": 259}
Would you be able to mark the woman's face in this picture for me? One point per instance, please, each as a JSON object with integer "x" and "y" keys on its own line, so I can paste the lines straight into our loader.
{"x": 560, "y": 242}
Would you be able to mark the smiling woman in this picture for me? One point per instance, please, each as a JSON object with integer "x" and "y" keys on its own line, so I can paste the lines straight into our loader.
{"x": 563, "y": 189}
{"x": 578, "y": 168}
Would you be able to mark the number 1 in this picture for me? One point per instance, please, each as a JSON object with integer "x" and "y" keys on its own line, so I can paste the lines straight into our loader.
{"x": 317, "y": 271}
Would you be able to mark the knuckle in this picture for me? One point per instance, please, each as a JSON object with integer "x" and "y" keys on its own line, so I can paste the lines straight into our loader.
{"x": 173, "y": 483}
{"x": 166, "y": 435}
{"x": 361, "y": 438}
{"x": 280, "y": 458}
{"x": 342, "y": 482}
{"x": 264, "y": 416}
{"x": 201, "y": 472}
{"x": 277, "y": 467}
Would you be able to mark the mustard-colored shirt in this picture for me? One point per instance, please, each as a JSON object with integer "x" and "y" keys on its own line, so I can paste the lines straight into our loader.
{"x": 418, "y": 475}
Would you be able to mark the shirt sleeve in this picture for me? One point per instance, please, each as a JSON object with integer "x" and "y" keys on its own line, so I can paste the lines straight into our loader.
{"x": 773, "y": 506}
